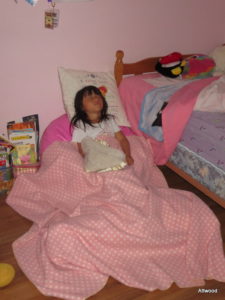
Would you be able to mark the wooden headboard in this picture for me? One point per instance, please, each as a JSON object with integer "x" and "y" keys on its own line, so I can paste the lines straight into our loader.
{"x": 143, "y": 66}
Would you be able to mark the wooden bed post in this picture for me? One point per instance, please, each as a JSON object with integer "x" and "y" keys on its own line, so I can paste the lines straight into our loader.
{"x": 118, "y": 67}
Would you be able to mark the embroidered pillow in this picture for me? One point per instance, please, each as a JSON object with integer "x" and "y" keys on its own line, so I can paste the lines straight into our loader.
{"x": 100, "y": 157}
{"x": 74, "y": 80}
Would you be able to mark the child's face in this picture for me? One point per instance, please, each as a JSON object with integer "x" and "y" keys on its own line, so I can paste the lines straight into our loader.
{"x": 92, "y": 103}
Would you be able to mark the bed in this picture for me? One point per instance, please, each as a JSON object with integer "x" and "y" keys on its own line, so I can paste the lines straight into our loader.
{"x": 202, "y": 170}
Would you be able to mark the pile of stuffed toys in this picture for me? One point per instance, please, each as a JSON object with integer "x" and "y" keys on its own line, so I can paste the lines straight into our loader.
{"x": 193, "y": 67}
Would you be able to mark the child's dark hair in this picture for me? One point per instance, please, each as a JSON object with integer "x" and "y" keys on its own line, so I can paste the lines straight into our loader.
{"x": 80, "y": 114}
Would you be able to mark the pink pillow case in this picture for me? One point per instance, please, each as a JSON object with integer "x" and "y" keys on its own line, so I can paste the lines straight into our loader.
{"x": 59, "y": 130}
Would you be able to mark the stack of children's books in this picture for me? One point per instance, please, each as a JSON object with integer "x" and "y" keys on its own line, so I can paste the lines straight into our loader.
{"x": 23, "y": 134}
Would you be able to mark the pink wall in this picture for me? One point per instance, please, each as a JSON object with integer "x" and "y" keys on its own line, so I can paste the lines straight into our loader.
{"x": 88, "y": 35}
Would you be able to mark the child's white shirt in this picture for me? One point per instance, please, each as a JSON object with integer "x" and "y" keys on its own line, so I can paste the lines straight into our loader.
{"x": 107, "y": 126}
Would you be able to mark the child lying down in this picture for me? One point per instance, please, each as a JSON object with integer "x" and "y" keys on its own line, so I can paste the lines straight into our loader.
{"x": 126, "y": 224}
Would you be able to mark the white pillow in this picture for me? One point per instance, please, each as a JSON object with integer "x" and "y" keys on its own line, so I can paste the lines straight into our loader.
{"x": 74, "y": 80}
{"x": 218, "y": 55}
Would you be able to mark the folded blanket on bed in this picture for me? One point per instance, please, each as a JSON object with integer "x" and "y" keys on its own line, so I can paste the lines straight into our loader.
{"x": 175, "y": 116}
{"x": 126, "y": 224}
{"x": 151, "y": 106}
{"x": 100, "y": 157}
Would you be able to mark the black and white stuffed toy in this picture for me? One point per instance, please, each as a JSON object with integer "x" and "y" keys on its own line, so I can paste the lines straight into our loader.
{"x": 171, "y": 65}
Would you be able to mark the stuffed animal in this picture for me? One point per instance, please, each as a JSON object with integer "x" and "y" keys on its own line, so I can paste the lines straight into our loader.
{"x": 7, "y": 273}
{"x": 171, "y": 65}
{"x": 198, "y": 66}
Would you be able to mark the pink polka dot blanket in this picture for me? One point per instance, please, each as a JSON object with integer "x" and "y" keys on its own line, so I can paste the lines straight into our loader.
{"x": 126, "y": 224}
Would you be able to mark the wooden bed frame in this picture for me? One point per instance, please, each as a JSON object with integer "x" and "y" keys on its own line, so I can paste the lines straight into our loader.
{"x": 145, "y": 66}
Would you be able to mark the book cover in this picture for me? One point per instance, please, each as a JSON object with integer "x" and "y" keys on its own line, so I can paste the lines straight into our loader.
{"x": 22, "y": 137}
{"x": 4, "y": 160}
{"x": 5, "y": 144}
{"x": 5, "y": 150}
{"x": 31, "y": 118}
{"x": 24, "y": 154}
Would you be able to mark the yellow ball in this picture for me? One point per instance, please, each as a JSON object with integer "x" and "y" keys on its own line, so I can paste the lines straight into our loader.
{"x": 7, "y": 273}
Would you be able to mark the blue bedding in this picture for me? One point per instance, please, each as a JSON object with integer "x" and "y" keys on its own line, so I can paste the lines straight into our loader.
{"x": 151, "y": 108}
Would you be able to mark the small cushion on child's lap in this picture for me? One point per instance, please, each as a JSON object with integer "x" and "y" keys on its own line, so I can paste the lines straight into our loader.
{"x": 100, "y": 157}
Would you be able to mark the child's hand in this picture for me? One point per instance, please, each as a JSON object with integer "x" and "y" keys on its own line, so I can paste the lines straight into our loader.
{"x": 129, "y": 160}
{"x": 82, "y": 154}
{"x": 80, "y": 150}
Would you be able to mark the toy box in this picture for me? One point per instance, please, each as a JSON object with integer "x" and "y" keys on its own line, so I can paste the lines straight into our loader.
{"x": 29, "y": 168}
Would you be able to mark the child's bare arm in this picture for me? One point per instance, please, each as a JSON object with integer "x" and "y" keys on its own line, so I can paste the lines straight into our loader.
{"x": 125, "y": 146}
{"x": 80, "y": 149}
